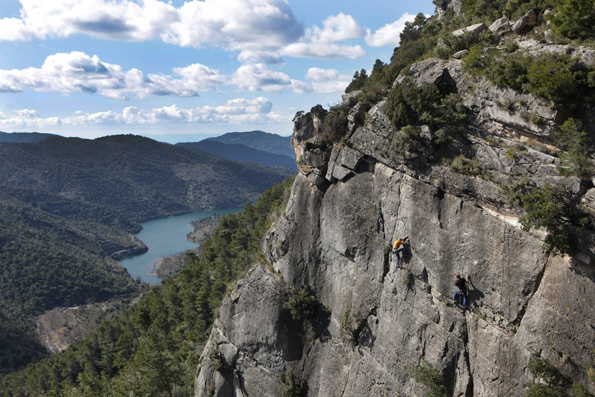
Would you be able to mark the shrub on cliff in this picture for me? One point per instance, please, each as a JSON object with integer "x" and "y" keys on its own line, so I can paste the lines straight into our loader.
{"x": 292, "y": 389}
{"x": 576, "y": 160}
{"x": 431, "y": 377}
{"x": 407, "y": 102}
{"x": 556, "y": 77}
{"x": 410, "y": 104}
{"x": 552, "y": 208}
{"x": 301, "y": 304}
{"x": 553, "y": 382}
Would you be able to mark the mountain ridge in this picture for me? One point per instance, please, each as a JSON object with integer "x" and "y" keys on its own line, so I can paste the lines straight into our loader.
{"x": 240, "y": 152}
{"x": 259, "y": 140}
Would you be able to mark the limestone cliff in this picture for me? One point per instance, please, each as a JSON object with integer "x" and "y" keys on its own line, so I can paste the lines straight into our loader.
{"x": 350, "y": 201}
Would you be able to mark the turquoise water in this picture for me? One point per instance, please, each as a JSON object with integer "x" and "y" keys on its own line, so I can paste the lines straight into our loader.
{"x": 164, "y": 237}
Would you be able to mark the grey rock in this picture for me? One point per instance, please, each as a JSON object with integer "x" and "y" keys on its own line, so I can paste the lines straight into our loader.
{"x": 524, "y": 21}
{"x": 471, "y": 33}
{"x": 341, "y": 173}
{"x": 356, "y": 117}
{"x": 428, "y": 71}
{"x": 349, "y": 158}
{"x": 589, "y": 199}
{"x": 455, "y": 5}
{"x": 350, "y": 99}
{"x": 460, "y": 54}
{"x": 499, "y": 25}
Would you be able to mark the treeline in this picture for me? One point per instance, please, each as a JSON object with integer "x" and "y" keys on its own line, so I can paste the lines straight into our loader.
{"x": 153, "y": 348}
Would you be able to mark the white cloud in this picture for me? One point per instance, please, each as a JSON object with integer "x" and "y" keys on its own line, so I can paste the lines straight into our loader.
{"x": 78, "y": 72}
{"x": 267, "y": 57}
{"x": 316, "y": 49}
{"x": 322, "y": 43}
{"x": 300, "y": 87}
{"x": 337, "y": 28}
{"x": 257, "y": 77}
{"x": 234, "y": 111}
{"x": 327, "y": 80}
{"x": 389, "y": 34}
{"x": 263, "y": 30}
{"x": 229, "y": 24}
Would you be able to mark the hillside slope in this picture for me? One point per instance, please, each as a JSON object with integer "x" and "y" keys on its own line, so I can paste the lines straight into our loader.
{"x": 23, "y": 137}
{"x": 135, "y": 176}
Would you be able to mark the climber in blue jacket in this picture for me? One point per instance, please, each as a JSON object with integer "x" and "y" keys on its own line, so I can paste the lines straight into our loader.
{"x": 461, "y": 284}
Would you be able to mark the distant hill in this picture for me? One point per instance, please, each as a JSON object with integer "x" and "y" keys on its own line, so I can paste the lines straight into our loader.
{"x": 68, "y": 207}
{"x": 241, "y": 153}
{"x": 136, "y": 176}
{"x": 259, "y": 140}
{"x": 23, "y": 137}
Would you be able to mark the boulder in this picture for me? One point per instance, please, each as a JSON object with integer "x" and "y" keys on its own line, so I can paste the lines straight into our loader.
{"x": 499, "y": 25}
{"x": 429, "y": 71}
{"x": 471, "y": 33}
{"x": 524, "y": 21}
{"x": 460, "y": 54}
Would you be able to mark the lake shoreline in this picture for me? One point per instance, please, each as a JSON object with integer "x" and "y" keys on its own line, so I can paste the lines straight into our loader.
{"x": 164, "y": 237}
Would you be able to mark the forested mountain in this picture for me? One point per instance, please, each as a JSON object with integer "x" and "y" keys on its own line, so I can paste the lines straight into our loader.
{"x": 259, "y": 140}
{"x": 237, "y": 151}
{"x": 55, "y": 252}
{"x": 135, "y": 176}
{"x": 68, "y": 207}
{"x": 23, "y": 137}
{"x": 151, "y": 349}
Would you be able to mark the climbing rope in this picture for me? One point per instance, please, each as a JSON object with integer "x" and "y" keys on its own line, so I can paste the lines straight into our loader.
{"x": 389, "y": 334}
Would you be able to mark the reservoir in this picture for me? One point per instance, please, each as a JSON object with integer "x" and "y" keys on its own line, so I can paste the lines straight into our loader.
{"x": 164, "y": 237}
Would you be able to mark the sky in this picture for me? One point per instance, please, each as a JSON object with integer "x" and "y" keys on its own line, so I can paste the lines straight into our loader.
{"x": 185, "y": 70}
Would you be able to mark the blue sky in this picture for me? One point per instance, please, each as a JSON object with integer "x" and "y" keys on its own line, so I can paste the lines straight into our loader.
{"x": 183, "y": 71}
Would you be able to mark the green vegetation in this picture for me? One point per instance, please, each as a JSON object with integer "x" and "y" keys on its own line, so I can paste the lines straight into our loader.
{"x": 575, "y": 19}
{"x": 463, "y": 165}
{"x": 554, "y": 383}
{"x": 489, "y": 10}
{"x": 557, "y": 77}
{"x": 348, "y": 329}
{"x": 408, "y": 279}
{"x": 134, "y": 177}
{"x": 405, "y": 143}
{"x": 553, "y": 209}
{"x": 409, "y": 104}
{"x": 576, "y": 160}
{"x": 217, "y": 359}
{"x": 153, "y": 348}
{"x": 431, "y": 377}
{"x": 292, "y": 388}
{"x": 301, "y": 304}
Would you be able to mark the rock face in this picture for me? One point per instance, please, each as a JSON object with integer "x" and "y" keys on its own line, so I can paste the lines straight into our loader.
{"x": 335, "y": 237}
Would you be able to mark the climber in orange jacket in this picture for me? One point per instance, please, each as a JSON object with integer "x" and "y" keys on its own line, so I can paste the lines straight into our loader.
{"x": 399, "y": 246}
